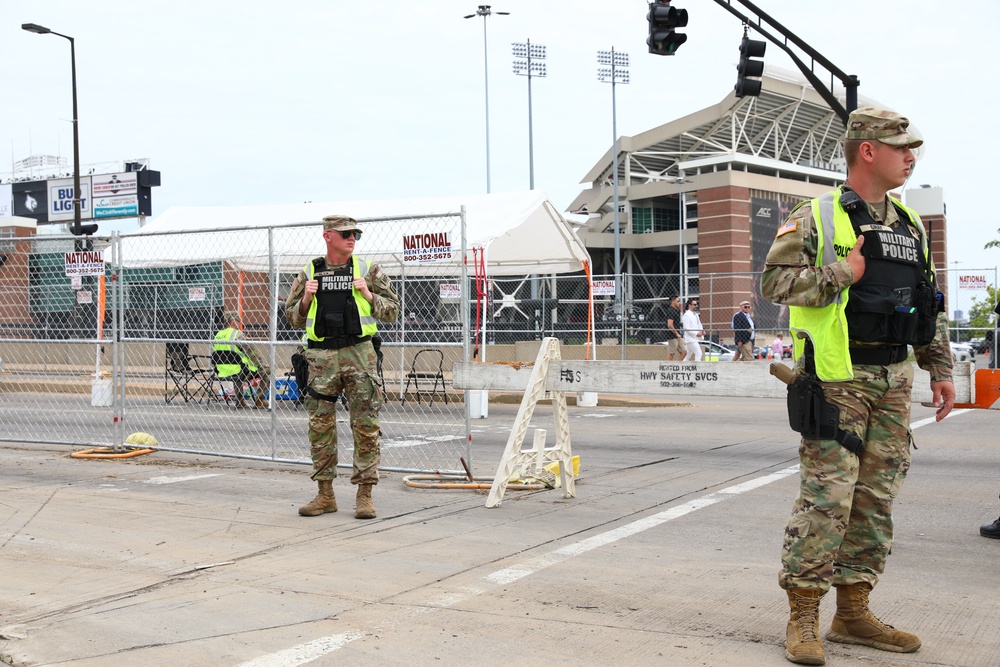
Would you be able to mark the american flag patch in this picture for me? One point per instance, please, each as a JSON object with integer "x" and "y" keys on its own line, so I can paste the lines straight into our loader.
{"x": 789, "y": 226}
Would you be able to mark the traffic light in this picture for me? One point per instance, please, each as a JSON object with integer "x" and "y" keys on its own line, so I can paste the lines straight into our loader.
{"x": 750, "y": 49}
{"x": 76, "y": 229}
{"x": 663, "y": 18}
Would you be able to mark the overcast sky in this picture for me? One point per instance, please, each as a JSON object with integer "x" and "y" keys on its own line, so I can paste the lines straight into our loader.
{"x": 255, "y": 102}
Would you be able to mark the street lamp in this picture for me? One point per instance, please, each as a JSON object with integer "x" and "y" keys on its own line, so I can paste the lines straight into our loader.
{"x": 484, "y": 11}
{"x": 614, "y": 69}
{"x": 77, "y": 228}
{"x": 954, "y": 306}
{"x": 680, "y": 182}
{"x": 527, "y": 68}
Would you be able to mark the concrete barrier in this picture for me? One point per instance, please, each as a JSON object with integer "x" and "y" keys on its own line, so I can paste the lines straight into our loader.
{"x": 672, "y": 378}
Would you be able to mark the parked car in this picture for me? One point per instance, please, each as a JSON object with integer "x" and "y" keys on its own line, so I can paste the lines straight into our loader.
{"x": 714, "y": 352}
{"x": 963, "y": 352}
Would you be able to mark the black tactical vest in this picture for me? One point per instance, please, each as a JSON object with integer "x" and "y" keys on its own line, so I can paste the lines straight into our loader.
{"x": 336, "y": 311}
{"x": 895, "y": 302}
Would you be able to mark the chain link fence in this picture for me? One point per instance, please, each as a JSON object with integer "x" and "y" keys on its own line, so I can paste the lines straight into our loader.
{"x": 533, "y": 307}
{"x": 108, "y": 336}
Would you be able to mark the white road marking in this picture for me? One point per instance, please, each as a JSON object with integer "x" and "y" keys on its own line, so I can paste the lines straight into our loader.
{"x": 304, "y": 653}
{"x": 931, "y": 420}
{"x": 174, "y": 480}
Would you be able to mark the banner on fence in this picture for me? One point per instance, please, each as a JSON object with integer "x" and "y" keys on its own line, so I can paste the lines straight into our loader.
{"x": 85, "y": 263}
{"x": 972, "y": 281}
{"x": 604, "y": 287}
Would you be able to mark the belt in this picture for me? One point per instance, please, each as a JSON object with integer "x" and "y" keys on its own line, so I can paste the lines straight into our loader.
{"x": 878, "y": 356}
{"x": 336, "y": 343}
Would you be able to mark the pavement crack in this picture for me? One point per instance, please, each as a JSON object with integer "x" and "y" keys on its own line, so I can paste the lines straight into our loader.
{"x": 30, "y": 519}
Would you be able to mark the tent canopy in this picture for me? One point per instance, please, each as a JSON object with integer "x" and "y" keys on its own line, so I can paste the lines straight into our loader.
{"x": 521, "y": 233}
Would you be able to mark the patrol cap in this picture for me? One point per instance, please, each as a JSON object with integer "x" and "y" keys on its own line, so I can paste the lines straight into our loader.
{"x": 340, "y": 223}
{"x": 881, "y": 125}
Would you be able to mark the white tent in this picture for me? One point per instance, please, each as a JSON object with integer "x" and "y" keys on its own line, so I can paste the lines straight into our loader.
{"x": 520, "y": 232}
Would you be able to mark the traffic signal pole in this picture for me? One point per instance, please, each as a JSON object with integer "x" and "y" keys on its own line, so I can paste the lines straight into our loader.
{"x": 849, "y": 81}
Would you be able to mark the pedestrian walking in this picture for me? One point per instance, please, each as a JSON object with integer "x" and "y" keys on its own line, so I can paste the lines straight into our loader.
{"x": 743, "y": 332}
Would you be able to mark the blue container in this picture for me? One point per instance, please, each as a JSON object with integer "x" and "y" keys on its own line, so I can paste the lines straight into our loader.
{"x": 286, "y": 390}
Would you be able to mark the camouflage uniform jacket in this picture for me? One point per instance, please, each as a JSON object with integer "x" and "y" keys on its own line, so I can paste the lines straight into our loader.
{"x": 792, "y": 278}
{"x": 385, "y": 307}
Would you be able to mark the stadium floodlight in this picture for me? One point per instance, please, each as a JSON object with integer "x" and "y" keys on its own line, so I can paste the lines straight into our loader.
{"x": 613, "y": 69}
{"x": 527, "y": 64}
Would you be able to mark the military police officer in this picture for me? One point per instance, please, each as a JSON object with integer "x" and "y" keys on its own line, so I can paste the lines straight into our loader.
{"x": 339, "y": 298}
{"x": 855, "y": 270}
{"x": 240, "y": 363}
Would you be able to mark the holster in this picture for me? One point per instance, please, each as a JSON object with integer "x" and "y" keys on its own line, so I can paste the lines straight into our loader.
{"x": 810, "y": 414}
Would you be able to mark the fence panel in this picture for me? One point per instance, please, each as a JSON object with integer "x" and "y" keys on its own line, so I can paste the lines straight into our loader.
{"x": 102, "y": 337}
{"x": 55, "y": 341}
{"x": 70, "y": 376}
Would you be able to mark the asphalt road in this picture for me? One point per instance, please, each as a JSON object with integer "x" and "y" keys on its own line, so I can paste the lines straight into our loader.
{"x": 667, "y": 556}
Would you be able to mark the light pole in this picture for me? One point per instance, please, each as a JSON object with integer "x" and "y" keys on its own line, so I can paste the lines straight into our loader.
{"x": 954, "y": 307}
{"x": 527, "y": 68}
{"x": 77, "y": 228}
{"x": 484, "y": 11}
{"x": 613, "y": 69}
{"x": 680, "y": 181}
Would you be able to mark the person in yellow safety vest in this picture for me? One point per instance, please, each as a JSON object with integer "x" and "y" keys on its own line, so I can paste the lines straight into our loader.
{"x": 239, "y": 363}
{"x": 855, "y": 270}
{"x": 338, "y": 299}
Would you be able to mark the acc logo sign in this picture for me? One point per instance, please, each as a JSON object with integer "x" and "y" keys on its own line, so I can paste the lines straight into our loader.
{"x": 764, "y": 212}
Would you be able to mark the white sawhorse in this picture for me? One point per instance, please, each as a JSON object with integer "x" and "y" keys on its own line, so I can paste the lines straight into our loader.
{"x": 539, "y": 455}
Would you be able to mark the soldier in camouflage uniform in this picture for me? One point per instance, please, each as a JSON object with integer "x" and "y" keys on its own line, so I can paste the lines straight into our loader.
{"x": 840, "y": 529}
{"x": 338, "y": 298}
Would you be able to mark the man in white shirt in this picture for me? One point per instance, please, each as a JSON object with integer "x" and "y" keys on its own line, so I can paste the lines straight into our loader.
{"x": 693, "y": 330}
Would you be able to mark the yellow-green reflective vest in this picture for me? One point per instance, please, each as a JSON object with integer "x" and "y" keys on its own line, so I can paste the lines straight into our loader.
{"x": 227, "y": 370}
{"x": 826, "y": 326}
{"x": 369, "y": 325}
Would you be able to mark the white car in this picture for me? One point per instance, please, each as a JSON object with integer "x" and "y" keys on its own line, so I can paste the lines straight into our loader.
{"x": 713, "y": 351}
{"x": 963, "y": 352}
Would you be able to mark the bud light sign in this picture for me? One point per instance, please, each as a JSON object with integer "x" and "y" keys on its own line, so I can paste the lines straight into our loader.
{"x": 61, "y": 199}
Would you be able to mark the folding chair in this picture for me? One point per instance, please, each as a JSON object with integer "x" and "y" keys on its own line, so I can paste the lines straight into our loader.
{"x": 203, "y": 378}
{"x": 427, "y": 365}
{"x": 177, "y": 373}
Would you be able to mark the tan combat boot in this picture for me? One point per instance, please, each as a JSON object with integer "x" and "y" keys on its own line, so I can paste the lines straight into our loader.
{"x": 854, "y": 623}
{"x": 802, "y": 645}
{"x": 364, "y": 507}
{"x": 323, "y": 502}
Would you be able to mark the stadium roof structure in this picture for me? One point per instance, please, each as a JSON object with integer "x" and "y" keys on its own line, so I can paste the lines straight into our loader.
{"x": 788, "y": 130}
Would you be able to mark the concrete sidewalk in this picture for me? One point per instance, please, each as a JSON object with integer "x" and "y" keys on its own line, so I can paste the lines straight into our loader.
{"x": 667, "y": 556}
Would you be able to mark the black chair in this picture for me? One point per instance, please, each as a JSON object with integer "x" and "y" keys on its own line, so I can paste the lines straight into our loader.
{"x": 177, "y": 375}
{"x": 427, "y": 365}
{"x": 202, "y": 372}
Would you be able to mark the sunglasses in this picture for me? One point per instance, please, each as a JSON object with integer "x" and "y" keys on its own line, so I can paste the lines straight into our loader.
{"x": 356, "y": 233}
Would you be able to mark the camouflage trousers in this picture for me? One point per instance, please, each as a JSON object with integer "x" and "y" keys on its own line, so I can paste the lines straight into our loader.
{"x": 351, "y": 370}
{"x": 840, "y": 530}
